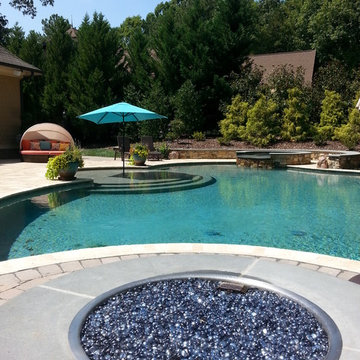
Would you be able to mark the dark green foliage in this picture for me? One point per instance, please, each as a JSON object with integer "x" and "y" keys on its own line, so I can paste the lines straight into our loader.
{"x": 200, "y": 42}
{"x": 177, "y": 129}
{"x": 59, "y": 53}
{"x": 188, "y": 109}
{"x": 281, "y": 80}
{"x": 94, "y": 77}
{"x": 14, "y": 39}
{"x": 335, "y": 31}
{"x": 32, "y": 51}
{"x": 273, "y": 19}
{"x": 186, "y": 61}
{"x": 247, "y": 83}
{"x": 157, "y": 101}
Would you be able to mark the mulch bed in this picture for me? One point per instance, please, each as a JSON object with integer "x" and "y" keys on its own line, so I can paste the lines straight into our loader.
{"x": 238, "y": 145}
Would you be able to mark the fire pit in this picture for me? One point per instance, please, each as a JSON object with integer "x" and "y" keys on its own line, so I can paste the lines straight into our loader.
{"x": 203, "y": 316}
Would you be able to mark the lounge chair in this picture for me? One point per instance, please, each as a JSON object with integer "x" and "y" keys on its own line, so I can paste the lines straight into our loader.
{"x": 119, "y": 148}
{"x": 148, "y": 141}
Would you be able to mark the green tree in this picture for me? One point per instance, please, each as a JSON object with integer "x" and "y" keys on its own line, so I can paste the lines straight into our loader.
{"x": 155, "y": 100}
{"x": 262, "y": 127}
{"x": 332, "y": 116}
{"x": 94, "y": 77}
{"x": 273, "y": 19}
{"x": 349, "y": 134}
{"x": 128, "y": 28}
{"x": 247, "y": 83}
{"x": 335, "y": 29}
{"x": 201, "y": 41}
{"x": 296, "y": 126}
{"x": 59, "y": 52}
{"x": 233, "y": 127}
{"x": 14, "y": 39}
{"x": 281, "y": 79}
{"x": 188, "y": 107}
{"x": 32, "y": 51}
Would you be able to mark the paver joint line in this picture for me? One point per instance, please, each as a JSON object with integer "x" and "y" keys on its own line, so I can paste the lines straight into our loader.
{"x": 250, "y": 266}
{"x": 67, "y": 292}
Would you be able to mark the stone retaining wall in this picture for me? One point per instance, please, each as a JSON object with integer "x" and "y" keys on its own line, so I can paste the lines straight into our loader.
{"x": 269, "y": 159}
{"x": 202, "y": 154}
{"x": 279, "y": 158}
{"x": 344, "y": 161}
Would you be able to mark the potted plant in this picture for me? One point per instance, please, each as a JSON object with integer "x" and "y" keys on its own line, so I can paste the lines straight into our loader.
{"x": 139, "y": 154}
{"x": 65, "y": 165}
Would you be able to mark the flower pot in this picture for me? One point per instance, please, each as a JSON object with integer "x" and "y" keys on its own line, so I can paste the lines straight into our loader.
{"x": 138, "y": 160}
{"x": 69, "y": 172}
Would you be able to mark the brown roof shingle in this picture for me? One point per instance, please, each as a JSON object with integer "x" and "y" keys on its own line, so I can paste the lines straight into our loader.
{"x": 10, "y": 60}
{"x": 296, "y": 59}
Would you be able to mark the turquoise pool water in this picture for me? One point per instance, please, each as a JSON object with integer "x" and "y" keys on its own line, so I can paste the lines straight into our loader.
{"x": 284, "y": 209}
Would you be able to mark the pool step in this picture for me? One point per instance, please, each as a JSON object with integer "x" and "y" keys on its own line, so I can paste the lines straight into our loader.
{"x": 151, "y": 187}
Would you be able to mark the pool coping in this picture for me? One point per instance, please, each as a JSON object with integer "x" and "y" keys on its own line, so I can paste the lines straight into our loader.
{"x": 29, "y": 262}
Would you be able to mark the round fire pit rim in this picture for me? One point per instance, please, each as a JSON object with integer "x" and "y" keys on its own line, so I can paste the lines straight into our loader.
{"x": 334, "y": 335}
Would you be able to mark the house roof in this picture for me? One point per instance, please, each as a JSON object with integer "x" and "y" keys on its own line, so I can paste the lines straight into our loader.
{"x": 269, "y": 62}
{"x": 72, "y": 32}
{"x": 10, "y": 60}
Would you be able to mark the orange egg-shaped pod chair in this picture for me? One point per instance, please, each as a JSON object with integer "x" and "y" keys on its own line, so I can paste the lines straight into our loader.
{"x": 41, "y": 141}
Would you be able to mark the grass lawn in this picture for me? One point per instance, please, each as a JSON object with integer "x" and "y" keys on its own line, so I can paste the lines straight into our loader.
{"x": 105, "y": 152}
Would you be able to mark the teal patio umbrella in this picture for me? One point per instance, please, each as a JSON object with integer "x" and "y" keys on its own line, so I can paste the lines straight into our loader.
{"x": 120, "y": 112}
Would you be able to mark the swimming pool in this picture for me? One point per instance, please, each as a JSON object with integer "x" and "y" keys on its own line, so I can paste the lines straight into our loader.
{"x": 280, "y": 208}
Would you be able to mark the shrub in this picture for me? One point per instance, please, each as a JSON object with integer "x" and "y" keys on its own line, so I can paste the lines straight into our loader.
{"x": 177, "y": 129}
{"x": 281, "y": 79}
{"x": 187, "y": 104}
{"x": 332, "y": 116}
{"x": 140, "y": 150}
{"x": 198, "y": 136}
{"x": 233, "y": 126}
{"x": 164, "y": 149}
{"x": 296, "y": 124}
{"x": 349, "y": 134}
{"x": 223, "y": 141}
{"x": 57, "y": 163}
{"x": 262, "y": 126}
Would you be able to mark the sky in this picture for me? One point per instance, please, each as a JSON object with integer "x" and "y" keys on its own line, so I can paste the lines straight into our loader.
{"x": 115, "y": 11}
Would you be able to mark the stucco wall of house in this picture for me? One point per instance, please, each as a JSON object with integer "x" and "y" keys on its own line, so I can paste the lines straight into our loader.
{"x": 10, "y": 117}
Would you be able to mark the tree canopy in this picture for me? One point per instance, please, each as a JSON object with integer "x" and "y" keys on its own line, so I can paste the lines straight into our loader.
{"x": 188, "y": 60}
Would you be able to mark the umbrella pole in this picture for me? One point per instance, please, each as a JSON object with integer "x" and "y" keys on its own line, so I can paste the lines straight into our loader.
{"x": 123, "y": 146}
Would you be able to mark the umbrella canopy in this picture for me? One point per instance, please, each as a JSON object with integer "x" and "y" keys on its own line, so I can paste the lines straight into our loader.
{"x": 120, "y": 112}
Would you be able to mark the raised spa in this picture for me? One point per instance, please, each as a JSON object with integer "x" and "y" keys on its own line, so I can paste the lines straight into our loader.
{"x": 203, "y": 316}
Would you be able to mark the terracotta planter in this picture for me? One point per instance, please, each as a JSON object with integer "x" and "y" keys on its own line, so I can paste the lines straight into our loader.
{"x": 138, "y": 160}
{"x": 68, "y": 173}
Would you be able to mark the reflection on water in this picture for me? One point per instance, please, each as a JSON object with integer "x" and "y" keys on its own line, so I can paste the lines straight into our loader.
{"x": 155, "y": 175}
{"x": 300, "y": 211}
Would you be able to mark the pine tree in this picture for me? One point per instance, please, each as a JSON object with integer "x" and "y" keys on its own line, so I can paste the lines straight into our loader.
{"x": 296, "y": 124}
{"x": 262, "y": 127}
{"x": 93, "y": 81}
{"x": 59, "y": 52}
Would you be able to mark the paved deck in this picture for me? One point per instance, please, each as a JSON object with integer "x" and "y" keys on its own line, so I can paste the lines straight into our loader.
{"x": 29, "y": 330}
